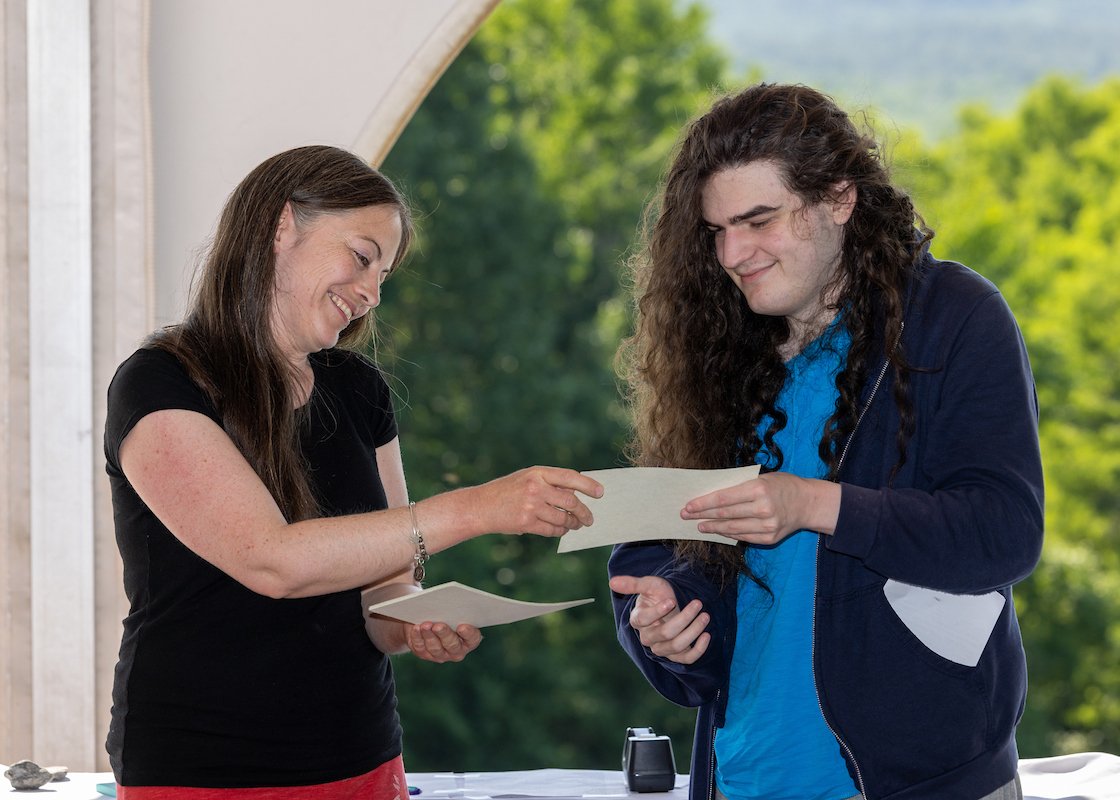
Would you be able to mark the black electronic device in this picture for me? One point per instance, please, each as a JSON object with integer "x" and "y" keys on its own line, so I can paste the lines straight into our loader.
{"x": 647, "y": 761}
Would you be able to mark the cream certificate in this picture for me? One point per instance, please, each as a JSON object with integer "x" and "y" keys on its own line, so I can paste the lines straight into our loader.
{"x": 644, "y": 504}
{"x": 456, "y": 604}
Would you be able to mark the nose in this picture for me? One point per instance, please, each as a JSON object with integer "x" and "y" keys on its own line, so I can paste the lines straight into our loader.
{"x": 734, "y": 245}
{"x": 369, "y": 291}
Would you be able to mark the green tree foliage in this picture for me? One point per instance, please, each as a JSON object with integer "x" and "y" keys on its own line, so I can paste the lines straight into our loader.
{"x": 530, "y": 163}
{"x": 1032, "y": 200}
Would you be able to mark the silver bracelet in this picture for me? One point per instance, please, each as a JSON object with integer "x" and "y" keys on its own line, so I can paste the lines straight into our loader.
{"x": 421, "y": 556}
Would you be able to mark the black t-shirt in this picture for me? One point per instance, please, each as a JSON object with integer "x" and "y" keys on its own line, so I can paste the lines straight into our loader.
{"x": 218, "y": 686}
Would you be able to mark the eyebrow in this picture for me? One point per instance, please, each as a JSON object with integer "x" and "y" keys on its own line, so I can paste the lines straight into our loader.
{"x": 757, "y": 211}
{"x": 745, "y": 216}
{"x": 374, "y": 243}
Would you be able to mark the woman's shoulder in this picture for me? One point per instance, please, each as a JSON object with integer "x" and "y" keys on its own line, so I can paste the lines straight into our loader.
{"x": 154, "y": 378}
{"x": 150, "y": 364}
{"x": 149, "y": 380}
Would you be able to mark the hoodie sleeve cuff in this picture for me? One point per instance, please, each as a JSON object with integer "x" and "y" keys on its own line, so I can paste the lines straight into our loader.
{"x": 858, "y": 524}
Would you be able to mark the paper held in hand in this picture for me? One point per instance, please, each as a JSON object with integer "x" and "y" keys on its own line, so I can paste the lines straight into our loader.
{"x": 456, "y": 604}
{"x": 644, "y": 504}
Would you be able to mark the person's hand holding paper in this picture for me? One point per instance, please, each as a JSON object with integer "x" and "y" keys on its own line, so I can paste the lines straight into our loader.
{"x": 646, "y": 503}
{"x": 767, "y": 510}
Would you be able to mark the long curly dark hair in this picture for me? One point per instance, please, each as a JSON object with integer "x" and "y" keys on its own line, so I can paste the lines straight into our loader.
{"x": 704, "y": 371}
{"x": 226, "y": 340}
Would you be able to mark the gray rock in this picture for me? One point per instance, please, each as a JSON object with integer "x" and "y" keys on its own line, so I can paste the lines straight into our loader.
{"x": 27, "y": 775}
{"x": 58, "y": 773}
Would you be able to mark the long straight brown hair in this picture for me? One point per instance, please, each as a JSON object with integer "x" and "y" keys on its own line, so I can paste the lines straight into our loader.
{"x": 226, "y": 341}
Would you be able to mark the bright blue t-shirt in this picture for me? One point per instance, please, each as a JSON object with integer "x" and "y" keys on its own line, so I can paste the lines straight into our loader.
{"x": 775, "y": 743}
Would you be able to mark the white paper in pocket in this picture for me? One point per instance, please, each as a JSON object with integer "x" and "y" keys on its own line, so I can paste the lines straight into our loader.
{"x": 955, "y": 626}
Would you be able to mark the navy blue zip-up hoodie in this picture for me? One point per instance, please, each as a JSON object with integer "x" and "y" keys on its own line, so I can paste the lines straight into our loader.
{"x": 964, "y": 516}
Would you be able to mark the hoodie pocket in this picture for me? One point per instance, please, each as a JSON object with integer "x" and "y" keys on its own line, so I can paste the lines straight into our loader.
{"x": 907, "y": 713}
{"x": 955, "y": 626}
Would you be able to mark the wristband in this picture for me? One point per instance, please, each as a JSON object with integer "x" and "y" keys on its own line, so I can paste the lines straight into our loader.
{"x": 421, "y": 556}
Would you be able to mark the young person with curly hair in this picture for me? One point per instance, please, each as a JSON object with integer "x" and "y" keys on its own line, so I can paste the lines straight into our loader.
{"x": 856, "y": 637}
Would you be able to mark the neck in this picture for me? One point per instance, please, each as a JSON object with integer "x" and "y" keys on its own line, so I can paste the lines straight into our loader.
{"x": 302, "y": 381}
{"x": 804, "y": 332}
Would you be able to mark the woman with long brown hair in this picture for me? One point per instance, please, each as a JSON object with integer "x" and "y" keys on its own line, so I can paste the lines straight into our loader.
{"x": 258, "y": 489}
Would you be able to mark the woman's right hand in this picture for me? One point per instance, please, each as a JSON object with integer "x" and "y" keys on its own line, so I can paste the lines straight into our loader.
{"x": 677, "y": 634}
{"x": 540, "y": 500}
{"x": 439, "y": 642}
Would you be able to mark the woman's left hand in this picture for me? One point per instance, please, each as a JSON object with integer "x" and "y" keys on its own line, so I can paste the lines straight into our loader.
{"x": 767, "y": 509}
{"x": 438, "y": 642}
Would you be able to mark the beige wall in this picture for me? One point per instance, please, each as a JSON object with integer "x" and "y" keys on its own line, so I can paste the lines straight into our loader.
{"x": 125, "y": 124}
{"x": 272, "y": 76}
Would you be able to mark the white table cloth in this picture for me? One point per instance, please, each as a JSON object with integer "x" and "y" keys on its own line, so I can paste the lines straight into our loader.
{"x": 1080, "y": 776}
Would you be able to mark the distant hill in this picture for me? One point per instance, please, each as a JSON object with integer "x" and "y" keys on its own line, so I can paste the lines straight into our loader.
{"x": 917, "y": 61}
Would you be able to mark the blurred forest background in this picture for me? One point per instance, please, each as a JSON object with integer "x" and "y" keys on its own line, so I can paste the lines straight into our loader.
{"x": 530, "y": 164}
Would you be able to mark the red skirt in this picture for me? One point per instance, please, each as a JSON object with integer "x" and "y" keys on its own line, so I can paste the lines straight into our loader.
{"x": 387, "y": 782}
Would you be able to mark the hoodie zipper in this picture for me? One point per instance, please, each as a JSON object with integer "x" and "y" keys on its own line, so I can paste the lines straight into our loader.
{"x": 870, "y": 399}
{"x": 712, "y": 754}
{"x": 813, "y": 631}
{"x": 820, "y": 705}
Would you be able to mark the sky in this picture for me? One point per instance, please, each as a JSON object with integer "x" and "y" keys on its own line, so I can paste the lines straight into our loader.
{"x": 917, "y": 61}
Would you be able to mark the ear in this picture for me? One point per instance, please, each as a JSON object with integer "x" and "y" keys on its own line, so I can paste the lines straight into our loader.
{"x": 843, "y": 202}
{"x": 286, "y": 233}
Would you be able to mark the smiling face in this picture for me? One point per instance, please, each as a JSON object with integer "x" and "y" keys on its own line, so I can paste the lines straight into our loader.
{"x": 329, "y": 272}
{"x": 780, "y": 253}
